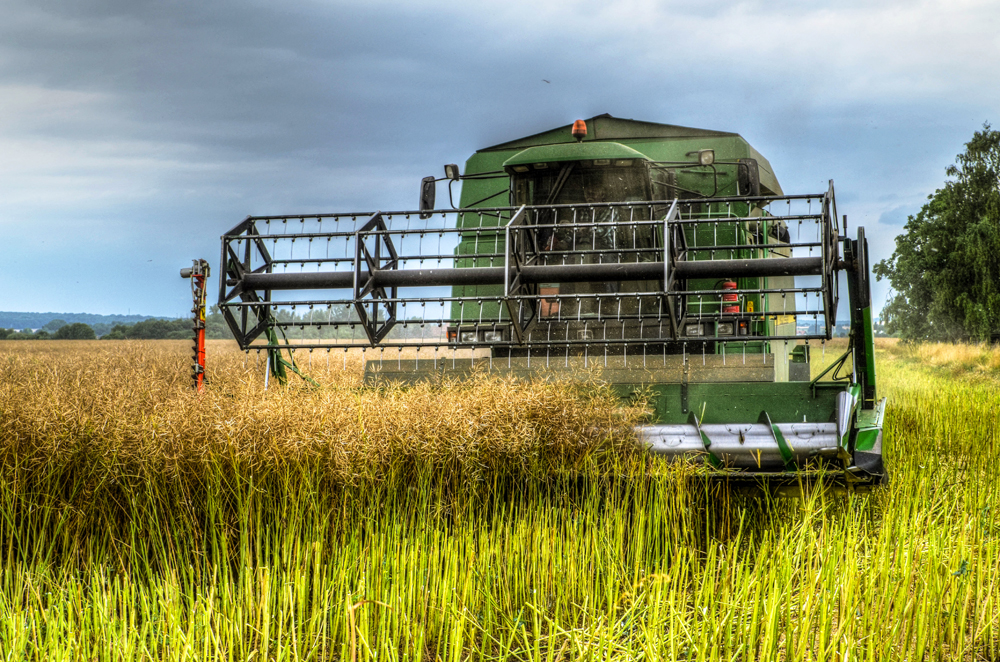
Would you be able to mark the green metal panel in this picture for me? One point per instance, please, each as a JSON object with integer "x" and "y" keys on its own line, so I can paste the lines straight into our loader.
{"x": 741, "y": 402}
{"x": 866, "y": 439}
{"x": 869, "y": 425}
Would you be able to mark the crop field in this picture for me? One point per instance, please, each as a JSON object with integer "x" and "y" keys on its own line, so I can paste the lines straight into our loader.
{"x": 482, "y": 520}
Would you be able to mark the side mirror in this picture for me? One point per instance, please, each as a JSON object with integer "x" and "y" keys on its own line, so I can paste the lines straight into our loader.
{"x": 427, "y": 190}
{"x": 748, "y": 177}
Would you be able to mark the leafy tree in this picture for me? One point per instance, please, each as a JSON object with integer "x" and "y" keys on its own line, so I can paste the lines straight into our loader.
{"x": 151, "y": 329}
{"x": 945, "y": 270}
{"x": 54, "y": 325}
{"x": 75, "y": 331}
{"x": 215, "y": 324}
{"x": 101, "y": 328}
{"x": 117, "y": 332}
{"x": 159, "y": 328}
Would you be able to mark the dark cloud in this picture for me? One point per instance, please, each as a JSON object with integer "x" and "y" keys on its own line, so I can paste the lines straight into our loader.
{"x": 142, "y": 130}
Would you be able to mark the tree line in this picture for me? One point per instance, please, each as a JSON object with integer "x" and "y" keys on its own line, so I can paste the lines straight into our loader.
{"x": 151, "y": 329}
{"x": 294, "y": 326}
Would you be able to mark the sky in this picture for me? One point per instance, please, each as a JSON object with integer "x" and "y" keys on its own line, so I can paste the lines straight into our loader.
{"x": 133, "y": 133}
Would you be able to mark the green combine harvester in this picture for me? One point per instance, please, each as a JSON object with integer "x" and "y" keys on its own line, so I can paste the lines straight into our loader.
{"x": 665, "y": 259}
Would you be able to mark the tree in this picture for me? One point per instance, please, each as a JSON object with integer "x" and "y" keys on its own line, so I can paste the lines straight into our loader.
{"x": 945, "y": 271}
{"x": 101, "y": 328}
{"x": 215, "y": 324}
{"x": 117, "y": 332}
{"x": 75, "y": 331}
{"x": 151, "y": 329}
{"x": 54, "y": 325}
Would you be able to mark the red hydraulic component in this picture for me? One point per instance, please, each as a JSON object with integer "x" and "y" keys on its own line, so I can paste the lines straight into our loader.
{"x": 730, "y": 300}
{"x": 198, "y": 273}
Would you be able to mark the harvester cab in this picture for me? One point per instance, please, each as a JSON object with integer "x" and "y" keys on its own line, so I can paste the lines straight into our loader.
{"x": 666, "y": 258}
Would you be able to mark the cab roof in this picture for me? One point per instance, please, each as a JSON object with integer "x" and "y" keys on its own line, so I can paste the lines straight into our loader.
{"x": 606, "y": 127}
{"x": 653, "y": 141}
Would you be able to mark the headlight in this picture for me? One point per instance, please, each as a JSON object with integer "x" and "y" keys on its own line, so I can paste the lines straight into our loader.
{"x": 493, "y": 336}
{"x": 467, "y": 337}
{"x": 694, "y": 330}
{"x": 725, "y": 329}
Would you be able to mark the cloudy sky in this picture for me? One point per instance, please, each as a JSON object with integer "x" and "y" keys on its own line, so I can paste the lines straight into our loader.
{"x": 133, "y": 133}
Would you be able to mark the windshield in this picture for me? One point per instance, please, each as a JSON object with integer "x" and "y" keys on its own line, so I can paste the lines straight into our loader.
{"x": 581, "y": 183}
{"x": 593, "y": 234}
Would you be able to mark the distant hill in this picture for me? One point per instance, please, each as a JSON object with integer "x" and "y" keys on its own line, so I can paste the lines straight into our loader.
{"x": 12, "y": 320}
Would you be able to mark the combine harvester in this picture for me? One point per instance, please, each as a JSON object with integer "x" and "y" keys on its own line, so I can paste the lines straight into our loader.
{"x": 664, "y": 257}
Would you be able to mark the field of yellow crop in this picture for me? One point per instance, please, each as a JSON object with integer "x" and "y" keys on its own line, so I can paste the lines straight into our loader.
{"x": 483, "y": 520}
